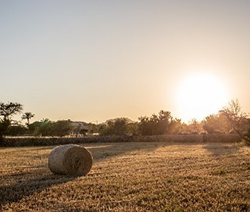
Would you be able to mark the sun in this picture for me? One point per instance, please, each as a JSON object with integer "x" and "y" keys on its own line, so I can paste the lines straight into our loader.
{"x": 200, "y": 95}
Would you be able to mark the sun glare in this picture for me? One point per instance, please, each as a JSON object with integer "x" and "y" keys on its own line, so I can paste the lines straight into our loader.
{"x": 200, "y": 95}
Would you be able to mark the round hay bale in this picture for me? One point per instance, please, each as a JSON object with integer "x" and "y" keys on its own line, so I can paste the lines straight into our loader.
{"x": 70, "y": 159}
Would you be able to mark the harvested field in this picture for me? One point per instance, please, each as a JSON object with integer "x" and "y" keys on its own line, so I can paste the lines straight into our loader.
{"x": 131, "y": 177}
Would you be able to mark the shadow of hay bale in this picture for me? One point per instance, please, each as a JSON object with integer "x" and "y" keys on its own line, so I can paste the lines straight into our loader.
{"x": 15, "y": 192}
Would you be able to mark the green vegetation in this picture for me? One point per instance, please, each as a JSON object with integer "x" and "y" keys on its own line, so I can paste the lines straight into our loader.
{"x": 238, "y": 120}
{"x": 6, "y": 112}
{"x": 118, "y": 126}
{"x": 229, "y": 120}
{"x": 157, "y": 124}
{"x": 216, "y": 123}
{"x": 27, "y": 116}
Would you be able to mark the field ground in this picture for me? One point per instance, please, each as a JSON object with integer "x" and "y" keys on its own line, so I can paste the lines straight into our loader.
{"x": 131, "y": 177}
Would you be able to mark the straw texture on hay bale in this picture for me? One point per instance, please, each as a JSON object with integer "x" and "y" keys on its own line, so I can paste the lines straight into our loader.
{"x": 70, "y": 159}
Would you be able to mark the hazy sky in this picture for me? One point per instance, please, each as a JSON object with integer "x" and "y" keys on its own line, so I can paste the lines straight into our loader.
{"x": 95, "y": 60}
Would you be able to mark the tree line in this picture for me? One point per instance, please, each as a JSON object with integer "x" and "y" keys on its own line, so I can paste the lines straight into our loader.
{"x": 230, "y": 119}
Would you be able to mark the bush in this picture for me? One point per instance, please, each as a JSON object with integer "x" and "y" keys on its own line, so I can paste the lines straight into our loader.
{"x": 17, "y": 130}
{"x": 119, "y": 126}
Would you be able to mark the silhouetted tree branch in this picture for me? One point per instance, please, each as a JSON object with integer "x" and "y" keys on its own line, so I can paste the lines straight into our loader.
{"x": 238, "y": 119}
{"x": 6, "y": 113}
{"x": 28, "y": 116}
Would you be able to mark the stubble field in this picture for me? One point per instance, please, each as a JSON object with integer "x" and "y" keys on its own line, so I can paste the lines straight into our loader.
{"x": 131, "y": 177}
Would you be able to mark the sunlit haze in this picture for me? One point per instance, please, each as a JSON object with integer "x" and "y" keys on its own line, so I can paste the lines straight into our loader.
{"x": 95, "y": 60}
{"x": 200, "y": 95}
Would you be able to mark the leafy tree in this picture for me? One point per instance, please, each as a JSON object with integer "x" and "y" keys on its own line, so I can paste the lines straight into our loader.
{"x": 62, "y": 128}
{"x": 193, "y": 127}
{"x": 145, "y": 126}
{"x": 83, "y": 131}
{"x": 156, "y": 124}
{"x": 118, "y": 126}
{"x": 164, "y": 123}
{"x": 238, "y": 119}
{"x": 43, "y": 127}
{"x": 216, "y": 123}
{"x": 46, "y": 127}
{"x": 34, "y": 127}
{"x": 6, "y": 112}
{"x": 176, "y": 126}
{"x": 10, "y": 109}
{"x": 132, "y": 128}
{"x": 17, "y": 130}
{"x": 28, "y": 116}
{"x": 94, "y": 128}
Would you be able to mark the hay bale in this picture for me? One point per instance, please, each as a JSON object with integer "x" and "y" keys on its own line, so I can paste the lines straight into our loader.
{"x": 70, "y": 159}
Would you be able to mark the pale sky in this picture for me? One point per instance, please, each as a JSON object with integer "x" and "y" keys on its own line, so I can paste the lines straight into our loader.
{"x": 96, "y": 60}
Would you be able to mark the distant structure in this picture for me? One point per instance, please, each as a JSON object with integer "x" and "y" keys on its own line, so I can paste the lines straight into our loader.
{"x": 79, "y": 128}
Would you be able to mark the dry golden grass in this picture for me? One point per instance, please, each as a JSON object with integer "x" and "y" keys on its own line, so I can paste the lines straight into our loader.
{"x": 130, "y": 177}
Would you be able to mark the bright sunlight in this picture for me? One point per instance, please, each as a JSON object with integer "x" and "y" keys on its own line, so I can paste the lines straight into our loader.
{"x": 200, "y": 95}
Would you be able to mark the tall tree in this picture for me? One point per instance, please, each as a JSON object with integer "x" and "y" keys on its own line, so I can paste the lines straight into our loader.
{"x": 156, "y": 124}
{"x": 216, "y": 123}
{"x": 62, "y": 127}
{"x": 7, "y": 110}
{"x": 117, "y": 126}
{"x": 238, "y": 119}
{"x": 28, "y": 116}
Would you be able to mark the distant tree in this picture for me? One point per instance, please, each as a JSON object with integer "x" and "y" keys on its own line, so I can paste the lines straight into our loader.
{"x": 28, "y": 116}
{"x": 118, "y": 126}
{"x": 176, "y": 126}
{"x": 156, "y": 124}
{"x": 17, "y": 130}
{"x": 216, "y": 123}
{"x": 94, "y": 128}
{"x": 239, "y": 120}
{"x": 34, "y": 128}
{"x": 10, "y": 109}
{"x": 83, "y": 131}
{"x": 145, "y": 126}
{"x": 6, "y": 112}
{"x": 132, "y": 128}
{"x": 194, "y": 127}
{"x": 62, "y": 128}
{"x": 165, "y": 121}
{"x": 44, "y": 127}
{"x": 101, "y": 128}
